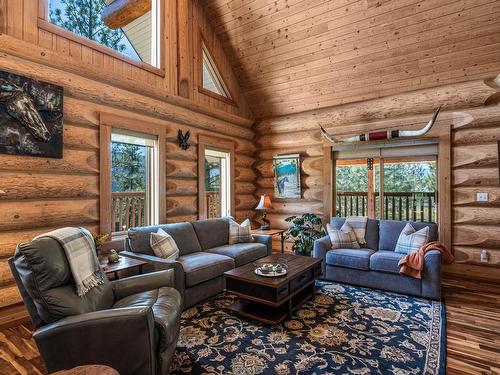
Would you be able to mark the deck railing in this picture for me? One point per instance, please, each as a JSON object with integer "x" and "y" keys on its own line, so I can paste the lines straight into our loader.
{"x": 127, "y": 210}
{"x": 213, "y": 204}
{"x": 416, "y": 206}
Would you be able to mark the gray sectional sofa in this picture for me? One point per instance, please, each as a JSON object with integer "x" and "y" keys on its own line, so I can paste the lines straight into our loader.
{"x": 376, "y": 265}
{"x": 204, "y": 255}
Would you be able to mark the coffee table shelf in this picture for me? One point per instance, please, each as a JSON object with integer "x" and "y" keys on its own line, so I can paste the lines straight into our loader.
{"x": 272, "y": 300}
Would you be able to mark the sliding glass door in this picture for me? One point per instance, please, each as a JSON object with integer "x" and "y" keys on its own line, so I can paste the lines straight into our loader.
{"x": 387, "y": 187}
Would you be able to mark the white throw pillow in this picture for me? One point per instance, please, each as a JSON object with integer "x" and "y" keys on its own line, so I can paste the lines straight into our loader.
{"x": 343, "y": 238}
{"x": 163, "y": 245}
{"x": 410, "y": 240}
{"x": 240, "y": 232}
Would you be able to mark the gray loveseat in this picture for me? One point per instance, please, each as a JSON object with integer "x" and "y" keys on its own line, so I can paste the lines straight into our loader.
{"x": 204, "y": 255}
{"x": 376, "y": 265}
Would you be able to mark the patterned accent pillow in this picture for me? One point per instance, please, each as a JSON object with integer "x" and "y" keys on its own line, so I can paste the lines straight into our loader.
{"x": 410, "y": 240}
{"x": 343, "y": 238}
{"x": 240, "y": 232}
{"x": 164, "y": 245}
{"x": 358, "y": 224}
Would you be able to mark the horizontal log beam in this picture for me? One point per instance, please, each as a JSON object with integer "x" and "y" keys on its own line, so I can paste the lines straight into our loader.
{"x": 37, "y": 54}
{"x": 121, "y": 12}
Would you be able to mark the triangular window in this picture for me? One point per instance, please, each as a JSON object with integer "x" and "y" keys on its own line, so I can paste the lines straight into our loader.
{"x": 211, "y": 78}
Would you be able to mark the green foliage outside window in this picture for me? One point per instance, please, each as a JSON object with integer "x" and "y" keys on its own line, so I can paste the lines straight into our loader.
{"x": 128, "y": 167}
{"x": 83, "y": 17}
{"x": 398, "y": 177}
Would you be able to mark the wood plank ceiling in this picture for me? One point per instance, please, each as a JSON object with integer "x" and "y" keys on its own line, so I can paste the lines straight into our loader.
{"x": 297, "y": 55}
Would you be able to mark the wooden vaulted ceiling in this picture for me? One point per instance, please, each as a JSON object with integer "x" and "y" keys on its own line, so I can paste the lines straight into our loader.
{"x": 297, "y": 55}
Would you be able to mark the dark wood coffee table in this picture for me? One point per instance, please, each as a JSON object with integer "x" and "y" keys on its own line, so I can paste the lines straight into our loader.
{"x": 270, "y": 300}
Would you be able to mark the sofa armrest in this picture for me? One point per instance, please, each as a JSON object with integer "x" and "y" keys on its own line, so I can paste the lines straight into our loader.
{"x": 121, "y": 338}
{"x": 321, "y": 247}
{"x": 160, "y": 264}
{"x": 431, "y": 277}
{"x": 142, "y": 283}
{"x": 266, "y": 240}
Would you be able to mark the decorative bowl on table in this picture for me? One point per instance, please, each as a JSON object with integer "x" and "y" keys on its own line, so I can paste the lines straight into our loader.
{"x": 271, "y": 269}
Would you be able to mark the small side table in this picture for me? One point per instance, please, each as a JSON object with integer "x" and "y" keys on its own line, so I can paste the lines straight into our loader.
{"x": 123, "y": 264}
{"x": 273, "y": 232}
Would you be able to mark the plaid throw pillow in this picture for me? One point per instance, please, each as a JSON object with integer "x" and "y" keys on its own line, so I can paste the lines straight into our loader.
{"x": 240, "y": 232}
{"x": 410, "y": 240}
{"x": 343, "y": 238}
{"x": 163, "y": 245}
{"x": 358, "y": 224}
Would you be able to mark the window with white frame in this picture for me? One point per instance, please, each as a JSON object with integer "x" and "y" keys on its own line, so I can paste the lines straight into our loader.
{"x": 134, "y": 180}
{"x": 217, "y": 183}
{"x": 211, "y": 77}
{"x": 139, "y": 39}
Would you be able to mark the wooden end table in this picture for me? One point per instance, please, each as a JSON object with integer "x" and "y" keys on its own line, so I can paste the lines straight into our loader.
{"x": 270, "y": 300}
{"x": 123, "y": 264}
{"x": 272, "y": 232}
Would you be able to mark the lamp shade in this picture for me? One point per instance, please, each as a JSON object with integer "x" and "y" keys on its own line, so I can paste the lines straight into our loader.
{"x": 264, "y": 203}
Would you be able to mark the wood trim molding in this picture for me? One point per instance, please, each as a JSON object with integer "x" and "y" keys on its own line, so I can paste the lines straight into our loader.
{"x": 47, "y": 26}
{"x": 328, "y": 187}
{"x": 109, "y": 121}
{"x": 445, "y": 198}
{"x": 221, "y": 144}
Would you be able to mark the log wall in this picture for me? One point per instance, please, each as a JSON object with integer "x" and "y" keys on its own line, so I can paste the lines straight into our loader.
{"x": 44, "y": 194}
{"x": 471, "y": 110}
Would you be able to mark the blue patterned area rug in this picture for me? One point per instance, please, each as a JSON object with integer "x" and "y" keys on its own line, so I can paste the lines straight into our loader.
{"x": 345, "y": 330}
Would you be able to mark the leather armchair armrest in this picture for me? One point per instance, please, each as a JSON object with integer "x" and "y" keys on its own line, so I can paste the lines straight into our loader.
{"x": 142, "y": 283}
{"x": 266, "y": 240}
{"x": 320, "y": 248}
{"x": 160, "y": 264}
{"x": 120, "y": 338}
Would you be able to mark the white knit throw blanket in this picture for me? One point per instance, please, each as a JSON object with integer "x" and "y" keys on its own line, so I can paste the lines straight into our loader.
{"x": 79, "y": 247}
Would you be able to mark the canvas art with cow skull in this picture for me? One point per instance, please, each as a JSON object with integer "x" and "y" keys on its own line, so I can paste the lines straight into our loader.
{"x": 31, "y": 114}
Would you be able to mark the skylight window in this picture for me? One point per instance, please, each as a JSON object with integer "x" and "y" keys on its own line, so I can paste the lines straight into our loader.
{"x": 211, "y": 78}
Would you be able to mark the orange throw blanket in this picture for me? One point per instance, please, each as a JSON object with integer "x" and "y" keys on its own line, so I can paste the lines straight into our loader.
{"x": 413, "y": 264}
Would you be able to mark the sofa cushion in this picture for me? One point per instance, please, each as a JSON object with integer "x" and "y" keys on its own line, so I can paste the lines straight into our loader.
{"x": 212, "y": 232}
{"x": 202, "y": 266}
{"x": 46, "y": 276}
{"x": 385, "y": 261}
{"x": 391, "y": 229}
{"x": 242, "y": 253}
{"x": 166, "y": 304}
{"x": 182, "y": 233}
{"x": 350, "y": 258}
{"x": 371, "y": 235}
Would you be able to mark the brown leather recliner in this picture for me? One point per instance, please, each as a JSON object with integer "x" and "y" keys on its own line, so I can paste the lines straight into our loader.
{"x": 131, "y": 325}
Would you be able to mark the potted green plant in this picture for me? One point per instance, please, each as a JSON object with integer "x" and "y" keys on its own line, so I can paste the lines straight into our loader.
{"x": 304, "y": 230}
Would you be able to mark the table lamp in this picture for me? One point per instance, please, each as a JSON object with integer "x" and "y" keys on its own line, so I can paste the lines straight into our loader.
{"x": 264, "y": 205}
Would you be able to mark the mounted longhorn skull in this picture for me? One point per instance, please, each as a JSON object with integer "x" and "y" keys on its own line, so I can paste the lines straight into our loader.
{"x": 383, "y": 135}
{"x": 21, "y": 107}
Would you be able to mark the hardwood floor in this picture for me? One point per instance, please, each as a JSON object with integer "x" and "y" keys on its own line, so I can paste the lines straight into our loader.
{"x": 473, "y": 338}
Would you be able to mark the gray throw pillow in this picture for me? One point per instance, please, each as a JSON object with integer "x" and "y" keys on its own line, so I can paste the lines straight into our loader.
{"x": 163, "y": 245}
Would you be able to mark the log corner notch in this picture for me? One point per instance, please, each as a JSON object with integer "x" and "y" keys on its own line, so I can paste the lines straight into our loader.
{"x": 119, "y": 13}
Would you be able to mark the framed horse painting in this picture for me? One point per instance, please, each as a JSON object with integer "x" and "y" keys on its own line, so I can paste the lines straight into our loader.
{"x": 287, "y": 176}
{"x": 31, "y": 117}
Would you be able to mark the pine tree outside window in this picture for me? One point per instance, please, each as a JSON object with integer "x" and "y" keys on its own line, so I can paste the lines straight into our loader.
{"x": 138, "y": 40}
